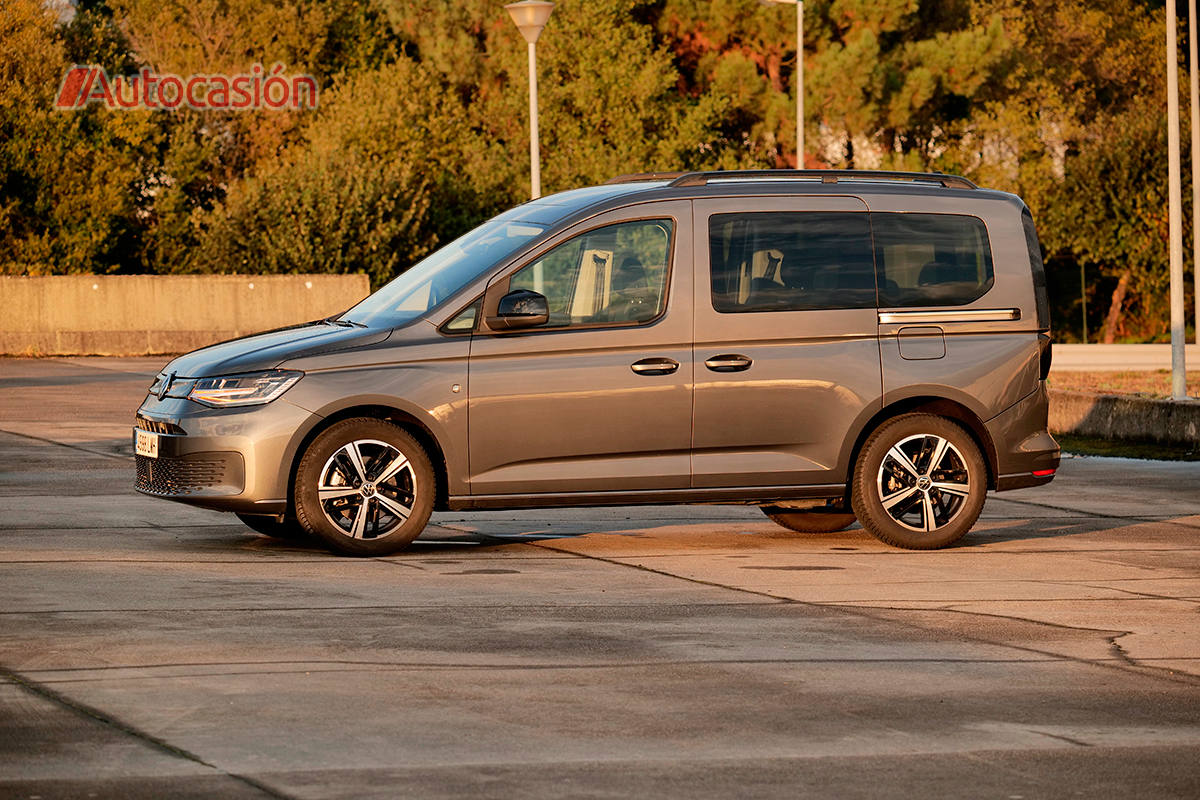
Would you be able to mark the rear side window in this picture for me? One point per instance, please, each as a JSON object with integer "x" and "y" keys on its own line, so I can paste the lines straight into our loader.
{"x": 1038, "y": 268}
{"x": 791, "y": 261}
{"x": 931, "y": 259}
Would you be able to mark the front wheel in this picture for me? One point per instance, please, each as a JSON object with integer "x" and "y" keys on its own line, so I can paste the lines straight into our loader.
{"x": 919, "y": 483}
{"x": 365, "y": 487}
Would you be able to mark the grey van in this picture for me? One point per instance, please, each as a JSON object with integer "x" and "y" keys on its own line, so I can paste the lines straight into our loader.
{"x": 828, "y": 345}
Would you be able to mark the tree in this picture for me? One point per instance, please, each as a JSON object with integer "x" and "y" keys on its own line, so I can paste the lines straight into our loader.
{"x": 888, "y": 83}
{"x": 1078, "y": 131}
{"x": 359, "y": 193}
{"x": 70, "y": 181}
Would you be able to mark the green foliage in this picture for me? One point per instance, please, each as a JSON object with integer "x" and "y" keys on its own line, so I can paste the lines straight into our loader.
{"x": 1129, "y": 240}
{"x": 68, "y": 181}
{"x": 1079, "y": 131}
{"x": 344, "y": 214}
{"x": 422, "y": 129}
{"x": 362, "y": 194}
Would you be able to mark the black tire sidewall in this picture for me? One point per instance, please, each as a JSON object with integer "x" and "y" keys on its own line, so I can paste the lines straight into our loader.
{"x": 868, "y": 507}
{"x": 289, "y": 528}
{"x": 329, "y": 441}
{"x": 808, "y": 521}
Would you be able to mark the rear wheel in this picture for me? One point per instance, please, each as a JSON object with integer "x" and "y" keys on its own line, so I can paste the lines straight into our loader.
{"x": 365, "y": 487}
{"x": 826, "y": 519}
{"x": 920, "y": 482}
{"x": 271, "y": 526}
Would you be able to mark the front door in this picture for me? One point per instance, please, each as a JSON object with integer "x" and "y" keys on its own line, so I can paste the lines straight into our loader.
{"x": 600, "y": 398}
{"x": 786, "y": 351}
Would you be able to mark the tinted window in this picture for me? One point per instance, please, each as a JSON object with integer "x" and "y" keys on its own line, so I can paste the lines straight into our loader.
{"x": 426, "y": 284}
{"x": 617, "y": 273}
{"x": 791, "y": 261}
{"x": 1039, "y": 269}
{"x": 464, "y": 321}
{"x": 931, "y": 259}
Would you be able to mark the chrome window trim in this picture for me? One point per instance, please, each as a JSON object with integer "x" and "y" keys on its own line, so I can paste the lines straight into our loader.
{"x": 971, "y": 315}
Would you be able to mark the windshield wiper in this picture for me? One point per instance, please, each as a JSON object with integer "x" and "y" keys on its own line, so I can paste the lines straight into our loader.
{"x": 342, "y": 323}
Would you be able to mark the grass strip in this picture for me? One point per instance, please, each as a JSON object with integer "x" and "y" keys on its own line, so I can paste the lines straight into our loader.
{"x": 1120, "y": 448}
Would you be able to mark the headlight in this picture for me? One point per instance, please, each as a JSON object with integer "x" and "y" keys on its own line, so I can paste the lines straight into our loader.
{"x": 251, "y": 389}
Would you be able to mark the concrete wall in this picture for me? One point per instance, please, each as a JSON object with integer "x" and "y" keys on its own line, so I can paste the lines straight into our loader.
{"x": 1130, "y": 418}
{"x": 130, "y": 315}
{"x": 1119, "y": 357}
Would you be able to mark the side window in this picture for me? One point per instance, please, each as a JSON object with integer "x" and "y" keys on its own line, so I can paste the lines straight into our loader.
{"x": 931, "y": 259}
{"x": 617, "y": 273}
{"x": 1041, "y": 298}
{"x": 464, "y": 321}
{"x": 791, "y": 261}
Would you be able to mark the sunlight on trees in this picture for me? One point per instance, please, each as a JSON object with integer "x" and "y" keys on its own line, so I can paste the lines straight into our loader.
{"x": 421, "y": 131}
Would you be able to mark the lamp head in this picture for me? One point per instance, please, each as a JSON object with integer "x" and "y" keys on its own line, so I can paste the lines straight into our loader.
{"x": 530, "y": 16}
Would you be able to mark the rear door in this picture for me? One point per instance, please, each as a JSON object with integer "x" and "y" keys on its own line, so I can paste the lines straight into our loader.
{"x": 956, "y": 317}
{"x": 786, "y": 349}
{"x": 600, "y": 399}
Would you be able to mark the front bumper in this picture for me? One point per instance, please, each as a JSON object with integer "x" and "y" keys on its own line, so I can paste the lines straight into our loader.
{"x": 235, "y": 459}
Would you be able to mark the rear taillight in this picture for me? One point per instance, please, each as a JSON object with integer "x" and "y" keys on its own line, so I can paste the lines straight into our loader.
{"x": 1042, "y": 473}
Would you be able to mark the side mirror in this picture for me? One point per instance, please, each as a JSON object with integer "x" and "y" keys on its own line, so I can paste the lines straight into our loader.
{"x": 520, "y": 308}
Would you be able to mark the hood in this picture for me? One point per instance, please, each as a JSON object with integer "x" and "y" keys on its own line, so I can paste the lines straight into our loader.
{"x": 267, "y": 350}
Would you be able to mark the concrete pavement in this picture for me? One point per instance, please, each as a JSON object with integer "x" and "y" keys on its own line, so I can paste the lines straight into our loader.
{"x": 148, "y": 649}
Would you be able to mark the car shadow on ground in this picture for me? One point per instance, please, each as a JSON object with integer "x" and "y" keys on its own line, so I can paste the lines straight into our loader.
{"x": 481, "y": 537}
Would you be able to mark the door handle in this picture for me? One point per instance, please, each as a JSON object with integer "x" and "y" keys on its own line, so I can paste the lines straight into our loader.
{"x": 655, "y": 366}
{"x": 728, "y": 363}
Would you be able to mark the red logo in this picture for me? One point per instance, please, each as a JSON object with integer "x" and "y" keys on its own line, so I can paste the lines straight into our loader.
{"x": 258, "y": 89}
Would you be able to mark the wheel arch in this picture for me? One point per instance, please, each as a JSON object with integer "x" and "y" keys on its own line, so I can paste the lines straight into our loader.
{"x": 409, "y": 422}
{"x": 939, "y": 406}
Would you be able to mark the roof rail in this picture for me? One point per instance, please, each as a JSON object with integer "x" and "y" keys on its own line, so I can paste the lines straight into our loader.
{"x": 636, "y": 177}
{"x": 825, "y": 176}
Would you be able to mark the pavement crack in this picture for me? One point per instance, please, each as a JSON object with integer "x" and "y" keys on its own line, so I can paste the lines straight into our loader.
{"x": 1123, "y": 664}
{"x": 1145, "y": 595}
{"x": 96, "y": 715}
{"x": 713, "y": 584}
{"x": 1122, "y": 660}
{"x": 81, "y": 449}
{"x": 1102, "y": 515}
{"x": 1060, "y": 737}
{"x": 1119, "y": 652}
{"x": 333, "y": 667}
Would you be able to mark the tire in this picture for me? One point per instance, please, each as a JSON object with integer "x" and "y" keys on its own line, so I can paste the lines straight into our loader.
{"x": 289, "y": 528}
{"x": 815, "y": 520}
{"x": 905, "y": 500}
{"x": 341, "y": 499}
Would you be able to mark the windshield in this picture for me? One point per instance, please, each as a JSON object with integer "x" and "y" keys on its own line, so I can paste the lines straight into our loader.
{"x": 435, "y": 278}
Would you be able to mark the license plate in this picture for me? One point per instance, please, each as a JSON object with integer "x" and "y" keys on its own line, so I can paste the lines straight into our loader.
{"x": 145, "y": 444}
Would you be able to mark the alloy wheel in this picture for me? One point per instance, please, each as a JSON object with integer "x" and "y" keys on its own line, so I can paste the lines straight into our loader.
{"x": 367, "y": 489}
{"x": 923, "y": 482}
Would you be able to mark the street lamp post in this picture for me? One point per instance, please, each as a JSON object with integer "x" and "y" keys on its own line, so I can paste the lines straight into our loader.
{"x": 1174, "y": 214}
{"x": 1195, "y": 91}
{"x": 530, "y": 17}
{"x": 799, "y": 77}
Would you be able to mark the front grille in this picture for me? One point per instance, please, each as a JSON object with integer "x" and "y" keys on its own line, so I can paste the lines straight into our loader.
{"x": 198, "y": 475}
{"x": 158, "y": 426}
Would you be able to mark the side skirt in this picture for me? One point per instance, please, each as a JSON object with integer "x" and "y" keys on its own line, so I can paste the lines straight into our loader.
{"x": 750, "y": 495}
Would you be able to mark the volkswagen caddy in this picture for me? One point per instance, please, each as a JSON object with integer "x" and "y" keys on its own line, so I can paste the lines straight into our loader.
{"x": 829, "y": 345}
